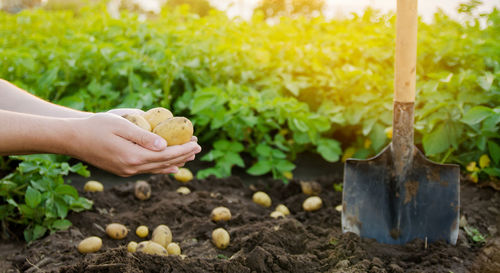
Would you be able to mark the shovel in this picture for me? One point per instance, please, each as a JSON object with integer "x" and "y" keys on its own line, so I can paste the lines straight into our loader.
{"x": 399, "y": 195}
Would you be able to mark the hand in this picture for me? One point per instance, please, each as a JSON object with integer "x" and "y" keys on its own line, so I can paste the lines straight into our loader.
{"x": 125, "y": 111}
{"x": 116, "y": 145}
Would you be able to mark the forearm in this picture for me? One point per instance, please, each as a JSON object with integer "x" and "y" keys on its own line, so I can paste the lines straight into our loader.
{"x": 15, "y": 99}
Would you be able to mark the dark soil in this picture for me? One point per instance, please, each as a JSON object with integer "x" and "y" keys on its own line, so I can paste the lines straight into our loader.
{"x": 301, "y": 242}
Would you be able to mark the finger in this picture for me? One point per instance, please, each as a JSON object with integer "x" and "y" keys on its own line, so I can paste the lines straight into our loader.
{"x": 194, "y": 138}
{"x": 173, "y": 152}
{"x": 149, "y": 167}
{"x": 142, "y": 137}
{"x": 169, "y": 170}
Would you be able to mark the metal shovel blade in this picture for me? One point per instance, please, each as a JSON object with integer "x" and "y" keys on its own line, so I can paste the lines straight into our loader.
{"x": 424, "y": 204}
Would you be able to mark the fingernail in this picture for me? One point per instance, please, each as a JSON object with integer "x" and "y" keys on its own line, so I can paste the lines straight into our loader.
{"x": 197, "y": 149}
{"x": 160, "y": 143}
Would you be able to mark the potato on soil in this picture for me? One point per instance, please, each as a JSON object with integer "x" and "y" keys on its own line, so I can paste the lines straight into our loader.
{"x": 173, "y": 249}
{"x": 152, "y": 248}
{"x": 262, "y": 199}
{"x": 116, "y": 231}
{"x": 162, "y": 235}
{"x": 312, "y": 203}
{"x": 183, "y": 190}
{"x": 283, "y": 209}
{"x": 142, "y": 231}
{"x": 139, "y": 121}
{"x": 132, "y": 246}
{"x": 277, "y": 214}
{"x": 175, "y": 131}
{"x": 220, "y": 214}
{"x": 90, "y": 244}
{"x": 220, "y": 238}
{"x": 155, "y": 116}
{"x": 93, "y": 186}
{"x": 142, "y": 190}
{"x": 310, "y": 187}
{"x": 184, "y": 175}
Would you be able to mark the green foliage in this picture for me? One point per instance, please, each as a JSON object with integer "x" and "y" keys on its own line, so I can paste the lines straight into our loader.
{"x": 35, "y": 196}
{"x": 474, "y": 235}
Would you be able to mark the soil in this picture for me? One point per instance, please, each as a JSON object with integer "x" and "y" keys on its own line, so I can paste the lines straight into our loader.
{"x": 301, "y": 242}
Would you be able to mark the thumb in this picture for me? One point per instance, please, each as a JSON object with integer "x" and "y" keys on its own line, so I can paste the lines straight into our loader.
{"x": 143, "y": 138}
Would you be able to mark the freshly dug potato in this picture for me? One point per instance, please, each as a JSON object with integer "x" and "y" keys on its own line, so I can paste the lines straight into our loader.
{"x": 220, "y": 238}
{"x": 173, "y": 249}
{"x": 183, "y": 175}
{"x": 90, "y": 244}
{"x": 93, "y": 186}
{"x": 142, "y": 231}
{"x": 152, "y": 248}
{"x": 220, "y": 214}
{"x": 310, "y": 187}
{"x": 175, "y": 131}
{"x": 262, "y": 199}
{"x": 283, "y": 209}
{"x": 141, "y": 245}
{"x": 116, "y": 231}
{"x": 312, "y": 203}
{"x": 162, "y": 235}
{"x": 139, "y": 121}
{"x": 142, "y": 190}
{"x": 184, "y": 190}
{"x": 277, "y": 214}
{"x": 132, "y": 246}
{"x": 155, "y": 116}
{"x": 339, "y": 208}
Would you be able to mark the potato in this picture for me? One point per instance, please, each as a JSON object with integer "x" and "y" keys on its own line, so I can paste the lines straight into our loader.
{"x": 142, "y": 190}
{"x": 132, "y": 246}
{"x": 277, "y": 214}
{"x": 310, "y": 187}
{"x": 183, "y": 190}
{"x": 220, "y": 238}
{"x": 141, "y": 245}
{"x": 220, "y": 214}
{"x": 312, "y": 203}
{"x": 283, "y": 209}
{"x": 116, "y": 231}
{"x": 262, "y": 199}
{"x": 139, "y": 121}
{"x": 93, "y": 186}
{"x": 183, "y": 175}
{"x": 339, "y": 208}
{"x": 90, "y": 244}
{"x": 152, "y": 248}
{"x": 173, "y": 249}
{"x": 162, "y": 235}
{"x": 155, "y": 116}
{"x": 175, "y": 131}
{"x": 142, "y": 231}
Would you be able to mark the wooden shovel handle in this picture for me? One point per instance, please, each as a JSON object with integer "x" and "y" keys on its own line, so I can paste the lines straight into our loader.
{"x": 406, "y": 51}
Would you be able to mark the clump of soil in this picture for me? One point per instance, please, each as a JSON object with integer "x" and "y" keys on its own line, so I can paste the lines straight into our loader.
{"x": 301, "y": 242}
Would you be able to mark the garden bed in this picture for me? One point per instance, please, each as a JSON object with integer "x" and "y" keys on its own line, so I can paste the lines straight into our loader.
{"x": 301, "y": 242}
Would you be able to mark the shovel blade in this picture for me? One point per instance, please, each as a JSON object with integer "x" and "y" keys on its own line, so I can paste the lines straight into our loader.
{"x": 425, "y": 204}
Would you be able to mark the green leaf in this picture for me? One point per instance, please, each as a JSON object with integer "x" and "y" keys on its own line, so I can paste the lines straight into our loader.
{"x": 492, "y": 171}
{"x": 284, "y": 165}
{"x": 477, "y": 114}
{"x": 234, "y": 159}
{"x": 494, "y": 150}
{"x": 32, "y": 197}
{"x": 486, "y": 81}
{"x": 263, "y": 150}
{"x": 260, "y": 168}
{"x": 377, "y": 136}
{"x": 440, "y": 139}
{"x": 212, "y": 155}
{"x": 61, "y": 208}
{"x": 39, "y": 231}
{"x": 61, "y": 224}
{"x": 329, "y": 149}
{"x": 201, "y": 102}
{"x": 66, "y": 190}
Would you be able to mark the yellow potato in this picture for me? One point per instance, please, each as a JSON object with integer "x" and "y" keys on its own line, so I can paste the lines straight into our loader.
{"x": 132, "y": 246}
{"x": 116, "y": 231}
{"x": 312, "y": 203}
{"x": 173, "y": 249}
{"x": 155, "y": 116}
{"x": 142, "y": 231}
{"x": 310, "y": 187}
{"x": 162, "y": 235}
{"x": 220, "y": 214}
{"x": 141, "y": 245}
{"x": 283, "y": 209}
{"x": 183, "y": 190}
{"x": 262, "y": 199}
{"x": 152, "y": 248}
{"x": 220, "y": 238}
{"x": 139, "y": 121}
{"x": 183, "y": 175}
{"x": 277, "y": 214}
{"x": 175, "y": 131}
{"x": 93, "y": 186}
{"x": 142, "y": 190}
{"x": 90, "y": 244}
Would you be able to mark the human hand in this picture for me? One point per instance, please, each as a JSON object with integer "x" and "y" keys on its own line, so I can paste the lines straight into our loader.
{"x": 116, "y": 145}
{"x": 125, "y": 111}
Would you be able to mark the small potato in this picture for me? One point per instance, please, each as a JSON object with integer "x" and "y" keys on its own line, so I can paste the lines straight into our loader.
{"x": 90, "y": 245}
{"x": 277, "y": 214}
{"x": 139, "y": 121}
{"x": 162, "y": 235}
{"x": 116, "y": 231}
{"x": 142, "y": 231}
{"x": 220, "y": 238}
{"x": 220, "y": 214}
{"x": 141, "y": 245}
{"x": 339, "y": 208}
{"x": 153, "y": 249}
{"x": 142, "y": 190}
{"x": 312, "y": 203}
{"x": 132, "y": 246}
{"x": 93, "y": 186}
{"x": 173, "y": 249}
{"x": 184, "y": 175}
{"x": 283, "y": 209}
{"x": 310, "y": 187}
{"x": 183, "y": 190}
{"x": 175, "y": 131}
{"x": 262, "y": 199}
{"x": 155, "y": 116}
